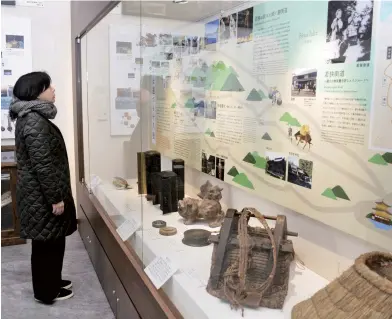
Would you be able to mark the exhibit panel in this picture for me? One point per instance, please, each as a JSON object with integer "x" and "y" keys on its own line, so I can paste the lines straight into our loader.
{"x": 181, "y": 98}
{"x": 292, "y": 113}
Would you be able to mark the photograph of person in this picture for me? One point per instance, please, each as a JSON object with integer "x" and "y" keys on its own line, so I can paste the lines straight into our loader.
{"x": 245, "y": 26}
{"x": 349, "y": 31}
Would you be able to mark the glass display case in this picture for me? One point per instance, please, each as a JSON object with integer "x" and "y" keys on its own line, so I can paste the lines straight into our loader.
{"x": 193, "y": 110}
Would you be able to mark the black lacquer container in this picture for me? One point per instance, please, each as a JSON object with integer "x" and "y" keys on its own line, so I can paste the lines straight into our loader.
{"x": 152, "y": 160}
{"x": 178, "y": 167}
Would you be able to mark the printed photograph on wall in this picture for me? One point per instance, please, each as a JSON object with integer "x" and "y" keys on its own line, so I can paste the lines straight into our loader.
{"x": 211, "y": 33}
{"x": 300, "y": 171}
{"x": 208, "y": 164}
{"x": 304, "y": 83}
{"x": 349, "y": 31}
{"x": 245, "y": 26}
{"x": 6, "y": 97}
{"x": 149, "y": 40}
{"x": 139, "y": 61}
{"x": 276, "y": 165}
{"x": 165, "y": 39}
{"x": 220, "y": 168}
{"x": 7, "y": 72}
{"x": 123, "y": 47}
{"x": 14, "y": 41}
{"x": 210, "y": 111}
{"x": 228, "y": 27}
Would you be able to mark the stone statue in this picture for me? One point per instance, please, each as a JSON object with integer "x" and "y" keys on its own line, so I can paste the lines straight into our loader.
{"x": 206, "y": 208}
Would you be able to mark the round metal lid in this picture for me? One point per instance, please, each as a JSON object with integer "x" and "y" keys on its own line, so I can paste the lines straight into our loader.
{"x": 168, "y": 231}
{"x": 196, "y": 237}
{"x": 158, "y": 223}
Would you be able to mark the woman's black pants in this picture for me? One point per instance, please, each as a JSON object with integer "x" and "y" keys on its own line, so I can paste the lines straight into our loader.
{"x": 46, "y": 266}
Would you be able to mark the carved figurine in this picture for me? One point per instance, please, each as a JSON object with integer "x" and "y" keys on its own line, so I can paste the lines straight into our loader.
{"x": 207, "y": 207}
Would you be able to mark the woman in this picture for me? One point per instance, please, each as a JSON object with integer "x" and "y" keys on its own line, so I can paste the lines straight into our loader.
{"x": 43, "y": 190}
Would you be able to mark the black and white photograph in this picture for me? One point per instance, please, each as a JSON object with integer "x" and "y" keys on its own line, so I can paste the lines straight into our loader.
{"x": 300, "y": 172}
{"x": 14, "y": 41}
{"x": 131, "y": 75}
{"x": 123, "y": 47}
{"x": 228, "y": 27}
{"x": 165, "y": 39}
{"x": 165, "y": 65}
{"x": 195, "y": 45}
{"x": 149, "y": 40}
{"x": 178, "y": 40}
{"x": 220, "y": 168}
{"x": 156, "y": 64}
{"x": 304, "y": 83}
{"x": 276, "y": 165}
{"x": 208, "y": 164}
{"x": 210, "y": 110}
{"x": 245, "y": 26}
{"x": 349, "y": 31}
{"x": 7, "y": 72}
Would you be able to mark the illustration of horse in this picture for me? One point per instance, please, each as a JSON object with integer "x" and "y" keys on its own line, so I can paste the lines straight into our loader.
{"x": 303, "y": 135}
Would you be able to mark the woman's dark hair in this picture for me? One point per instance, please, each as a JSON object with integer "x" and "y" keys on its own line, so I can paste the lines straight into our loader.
{"x": 31, "y": 85}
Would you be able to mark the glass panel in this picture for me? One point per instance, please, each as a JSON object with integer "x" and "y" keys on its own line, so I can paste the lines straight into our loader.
{"x": 86, "y": 153}
{"x": 114, "y": 121}
{"x": 7, "y": 216}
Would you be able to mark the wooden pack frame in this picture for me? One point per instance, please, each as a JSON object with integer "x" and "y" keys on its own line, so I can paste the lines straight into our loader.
{"x": 265, "y": 275}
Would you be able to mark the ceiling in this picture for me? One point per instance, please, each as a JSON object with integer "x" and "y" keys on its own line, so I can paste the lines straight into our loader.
{"x": 192, "y": 11}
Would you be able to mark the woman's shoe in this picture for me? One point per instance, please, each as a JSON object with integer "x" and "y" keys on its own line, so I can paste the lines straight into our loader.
{"x": 64, "y": 294}
{"x": 66, "y": 284}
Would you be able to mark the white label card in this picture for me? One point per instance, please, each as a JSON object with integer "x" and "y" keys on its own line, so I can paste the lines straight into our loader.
{"x": 160, "y": 270}
{"x": 128, "y": 228}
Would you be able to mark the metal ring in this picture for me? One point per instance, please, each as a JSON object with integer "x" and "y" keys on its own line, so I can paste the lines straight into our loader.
{"x": 158, "y": 224}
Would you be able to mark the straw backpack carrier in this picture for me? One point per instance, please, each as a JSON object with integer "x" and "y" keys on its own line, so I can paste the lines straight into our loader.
{"x": 364, "y": 291}
{"x": 251, "y": 265}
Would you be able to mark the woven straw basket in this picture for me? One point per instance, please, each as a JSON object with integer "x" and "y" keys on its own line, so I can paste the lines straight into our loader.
{"x": 364, "y": 291}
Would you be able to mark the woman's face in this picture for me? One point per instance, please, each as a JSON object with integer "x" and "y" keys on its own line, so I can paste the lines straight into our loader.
{"x": 339, "y": 14}
{"x": 48, "y": 95}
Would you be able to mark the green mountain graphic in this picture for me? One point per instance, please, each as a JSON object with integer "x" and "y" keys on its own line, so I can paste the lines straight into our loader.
{"x": 220, "y": 66}
{"x": 232, "y": 84}
{"x": 387, "y": 157}
{"x": 255, "y": 153}
{"x": 243, "y": 180}
{"x": 294, "y": 122}
{"x": 254, "y": 96}
{"x": 233, "y": 171}
{"x": 249, "y": 158}
{"x": 266, "y": 137}
{"x": 208, "y": 132}
{"x": 173, "y": 105}
{"x": 233, "y": 71}
{"x": 340, "y": 193}
{"x": 329, "y": 193}
{"x": 260, "y": 162}
{"x": 286, "y": 117}
{"x": 378, "y": 159}
{"x": 212, "y": 134}
{"x": 263, "y": 96}
{"x": 190, "y": 104}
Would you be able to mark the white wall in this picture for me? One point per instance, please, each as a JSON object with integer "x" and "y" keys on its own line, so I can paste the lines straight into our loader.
{"x": 322, "y": 248}
{"x": 51, "y": 51}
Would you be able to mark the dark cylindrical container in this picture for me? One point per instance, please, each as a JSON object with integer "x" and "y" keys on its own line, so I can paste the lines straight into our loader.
{"x": 169, "y": 202}
{"x": 178, "y": 167}
{"x": 152, "y": 161}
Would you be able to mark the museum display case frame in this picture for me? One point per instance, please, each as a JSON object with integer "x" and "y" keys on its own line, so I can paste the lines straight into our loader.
{"x": 11, "y": 236}
{"x": 129, "y": 291}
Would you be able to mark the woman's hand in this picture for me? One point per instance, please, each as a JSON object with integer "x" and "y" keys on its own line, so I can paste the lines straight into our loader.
{"x": 58, "y": 208}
